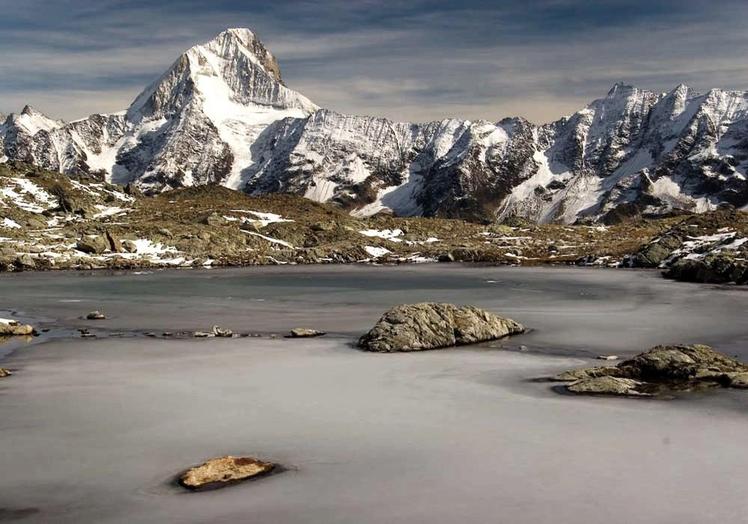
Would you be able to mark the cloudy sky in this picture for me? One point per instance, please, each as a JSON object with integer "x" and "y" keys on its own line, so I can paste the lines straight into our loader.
{"x": 408, "y": 60}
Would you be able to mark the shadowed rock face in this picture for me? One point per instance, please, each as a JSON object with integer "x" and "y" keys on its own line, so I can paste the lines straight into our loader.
{"x": 223, "y": 471}
{"x": 661, "y": 369}
{"x": 416, "y": 327}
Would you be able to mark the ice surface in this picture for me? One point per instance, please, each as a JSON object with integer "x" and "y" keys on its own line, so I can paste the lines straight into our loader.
{"x": 98, "y": 428}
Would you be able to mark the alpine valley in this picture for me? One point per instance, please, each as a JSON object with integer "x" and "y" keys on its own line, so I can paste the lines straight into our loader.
{"x": 222, "y": 114}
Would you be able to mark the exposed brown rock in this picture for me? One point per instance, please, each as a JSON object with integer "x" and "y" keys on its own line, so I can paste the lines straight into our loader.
{"x": 607, "y": 385}
{"x": 223, "y": 471}
{"x": 661, "y": 369}
{"x": 14, "y": 328}
{"x": 415, "y": 327}
{"x": 92, "y": 244}
{"x": 115, "y": 246}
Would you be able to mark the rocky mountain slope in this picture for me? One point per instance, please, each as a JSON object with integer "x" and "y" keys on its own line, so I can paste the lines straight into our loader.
{"x": 222, "y": 114}
{"x": 50, "y": 220}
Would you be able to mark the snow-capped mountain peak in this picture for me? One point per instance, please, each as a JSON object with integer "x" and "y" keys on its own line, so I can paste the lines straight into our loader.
{"x": 195, "y": 124}
{"x": 32, "y": 121}
{"x": 221, "y": 113}
{"x": 234, "y": 66}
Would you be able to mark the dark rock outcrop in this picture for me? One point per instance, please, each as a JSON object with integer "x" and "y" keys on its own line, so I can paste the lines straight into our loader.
{"x": 416, "y": 327}
{"x": 655, "y": 253}
{"x": 717, "y": 268}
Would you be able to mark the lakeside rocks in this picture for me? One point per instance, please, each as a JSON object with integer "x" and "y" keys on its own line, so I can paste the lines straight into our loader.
{"x": 657, "y": 251}
{"x": 223, "y": 471}
{"x": 215, "y": 331}
{"x": 661, "y": 369}
{"x": 92, "y": 244}
{"x": 11, "y": 328}
{"x": 305, "y": 333}
{"x": 211, "y": 226}
{"x": 607, "y": 385}
{"x": 221, "y": 332}
{"x": 417, "y": 327}
{"x": 715, "y": 268}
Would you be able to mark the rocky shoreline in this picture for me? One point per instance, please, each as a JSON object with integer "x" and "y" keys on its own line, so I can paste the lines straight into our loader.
{"x": 659, "y": 371}
{"x": 50, "y": 221}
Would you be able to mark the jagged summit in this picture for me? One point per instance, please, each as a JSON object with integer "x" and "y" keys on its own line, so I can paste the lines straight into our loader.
{"x": 221, "y": 113}
{"x": 234, "y": 66}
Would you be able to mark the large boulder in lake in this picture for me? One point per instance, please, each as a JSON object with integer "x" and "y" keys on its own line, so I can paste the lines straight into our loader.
{"x": 681, "y": 362}
{"x": 9, "y": 328}
{"x": 223, "y": 471}
{"x": 416, "y": 327}
{"x": 661, "y": 369}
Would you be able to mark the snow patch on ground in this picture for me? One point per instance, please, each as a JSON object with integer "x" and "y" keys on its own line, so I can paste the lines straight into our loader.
{"x": 260, "y": 218}
{"x": 26, "y": 195}
{"x": 377, "y": 252}
{"x": 269, "y": 239}
{"x": 697, "y": 247}
{"x": 108, "y": 211}
{"x": 11, "y": 224}
{"x": 385, "y": 234}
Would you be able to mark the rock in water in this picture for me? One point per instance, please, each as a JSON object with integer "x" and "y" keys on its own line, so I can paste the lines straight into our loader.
{"x": 5, "y": 373}
{"x": 738, "y": 380}
{"x": 416, "y": 327}
{"x": 221, "y": 332}
{"x": 662, "y": 363}
{"x": 223, "y": 471}
{"x": 305, "y": 333}
{"x": 96, "y": 315}
{"x": 13, "y": 328}
{"x": 607, "y": 386}
{"x": 662, "y": 368}
{"x": 587, "y": 373}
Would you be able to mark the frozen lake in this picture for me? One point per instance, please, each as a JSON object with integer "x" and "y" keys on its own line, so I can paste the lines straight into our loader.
{"x": 93, "y": 430}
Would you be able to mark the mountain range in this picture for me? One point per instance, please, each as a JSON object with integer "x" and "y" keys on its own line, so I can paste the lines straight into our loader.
{"x": 222, "y": 114}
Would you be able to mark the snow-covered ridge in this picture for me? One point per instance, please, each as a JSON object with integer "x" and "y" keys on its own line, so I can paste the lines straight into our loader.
{"x": 221, "y": 113}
